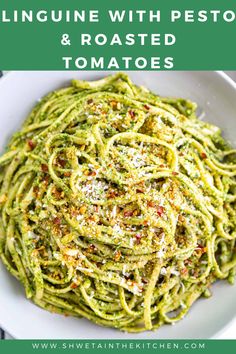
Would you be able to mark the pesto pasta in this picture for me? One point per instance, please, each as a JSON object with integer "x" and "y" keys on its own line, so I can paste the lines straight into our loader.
{"x": 117, "y": 205}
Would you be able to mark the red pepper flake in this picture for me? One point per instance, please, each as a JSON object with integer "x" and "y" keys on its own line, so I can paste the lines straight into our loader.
{"x": 138, "y": 238}
{"x": 151, "y": 204}
{"x": 90, "y": 101}
{"x": 74, "y": 212}
{"x": 184, "y": 271}
{"x": 131, "y": 113}
{"x": 160, "y": 210}
{"x": 36, "y": 190}
{"x": 201, "y": 248}
{"x": 67, "y": 174}
{"x": 128, "y": 213}
{"x": 146, "y": 107}
{"x": 175, "y": 173}
{"x": 112, "y": 194}
{"x": 56, "y": 221}
{"x": 162, "y": 166}
{"x": 92, "y": 248}
{"x": 31, "y": 144}
{"x": 46, "y": 179}
{"x": 145, "y": 281}
{"x": 139, "y": 190}
{"x": 74, "y": 286}
{"x": 203, "y": 155}
{"x": 92, "y": 173}
{"x": 145, "y": 222}
{"x": 117, "y": 256}
{"x": 61, "y": 162}
{"x": 115, "y": 105}
{"x": 187, "y": 261}
{"x": 44, "y": 168}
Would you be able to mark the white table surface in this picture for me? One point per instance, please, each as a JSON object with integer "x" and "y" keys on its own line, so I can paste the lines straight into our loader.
{"x": 230, "y": 331}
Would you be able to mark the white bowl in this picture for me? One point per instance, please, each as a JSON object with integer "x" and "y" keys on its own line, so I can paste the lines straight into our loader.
{"x": 215, "y": 94}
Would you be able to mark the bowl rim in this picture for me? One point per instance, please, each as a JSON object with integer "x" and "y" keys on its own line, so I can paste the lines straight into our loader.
{"x": 220, "y": 333}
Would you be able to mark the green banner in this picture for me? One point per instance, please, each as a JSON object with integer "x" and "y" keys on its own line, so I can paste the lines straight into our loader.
{"x": 122, "y": 35}
{"x": 118, "y": 346}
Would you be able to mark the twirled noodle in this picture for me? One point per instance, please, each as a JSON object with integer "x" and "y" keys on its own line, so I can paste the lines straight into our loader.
{"x": 118, "y": 205}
